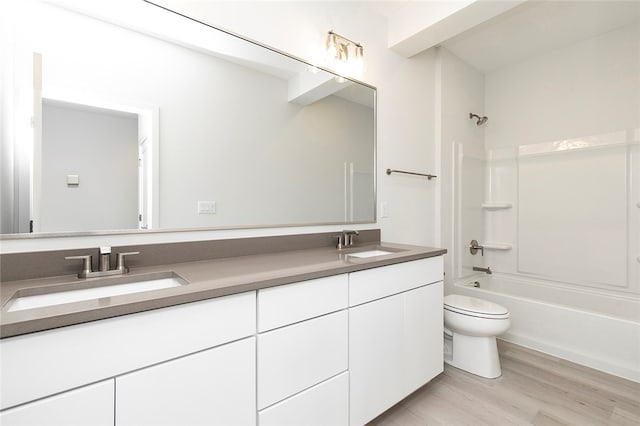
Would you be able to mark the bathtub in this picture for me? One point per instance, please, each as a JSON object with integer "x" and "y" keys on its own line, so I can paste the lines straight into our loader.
{"x": 591, "y": 328}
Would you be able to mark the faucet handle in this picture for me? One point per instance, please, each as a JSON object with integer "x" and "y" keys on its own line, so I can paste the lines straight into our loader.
{"x": 120, "y": 266}
{"x": 350, "y": 235}
{"x": 347, "y": 236}
{"x": 104, "y": 261}
{"x": 474, "y": 247}
{"x": 86, "y": 264}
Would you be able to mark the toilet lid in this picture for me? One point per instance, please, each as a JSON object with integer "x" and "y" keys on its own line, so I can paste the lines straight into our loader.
{"x": 475, "y": 307}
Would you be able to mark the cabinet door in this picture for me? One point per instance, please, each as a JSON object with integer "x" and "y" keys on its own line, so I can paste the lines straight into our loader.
{"x": 422, "y": 356}
{"x": 90, "y": 405}
{"x": 395, "y": 346}
{"x": 375, "y": 346}
{"x": 213, "y": 387}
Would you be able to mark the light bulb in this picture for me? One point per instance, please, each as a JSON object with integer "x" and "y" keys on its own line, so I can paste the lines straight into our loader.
{"x": 332, "y": 46}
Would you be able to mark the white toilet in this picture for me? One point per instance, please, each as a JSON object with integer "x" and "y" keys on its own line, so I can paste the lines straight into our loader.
{"x": 472, "y": 325}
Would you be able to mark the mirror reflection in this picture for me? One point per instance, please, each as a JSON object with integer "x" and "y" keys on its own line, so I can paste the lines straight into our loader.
{"x": 161, "y": 122}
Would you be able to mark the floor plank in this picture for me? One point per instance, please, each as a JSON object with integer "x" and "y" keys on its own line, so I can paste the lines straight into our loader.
{"x": 534, "y": 389}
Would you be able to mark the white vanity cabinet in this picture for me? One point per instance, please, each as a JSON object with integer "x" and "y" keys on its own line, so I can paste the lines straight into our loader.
{"x": 395, "y": 335}
{"x": 303, "y": 353}
{"x": 89, "y": 405}
{"x": 338, "y": 351}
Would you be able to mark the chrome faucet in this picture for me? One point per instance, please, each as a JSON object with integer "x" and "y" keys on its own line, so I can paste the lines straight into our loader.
{"x": 486, "y": 270}
{"x": 345, "y": 239}
{"x": 104, "y": 263}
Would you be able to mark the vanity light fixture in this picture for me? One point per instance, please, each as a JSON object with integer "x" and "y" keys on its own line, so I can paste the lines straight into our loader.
{"x": 344, "y": 55}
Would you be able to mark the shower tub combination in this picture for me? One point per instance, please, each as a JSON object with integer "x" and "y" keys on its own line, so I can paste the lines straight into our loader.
{"x": 587, "y": 327}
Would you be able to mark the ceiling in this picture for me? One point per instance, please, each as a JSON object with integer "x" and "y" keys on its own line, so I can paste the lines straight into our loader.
{"x": 539, "y": 26}
{"x": 530, "y": 29}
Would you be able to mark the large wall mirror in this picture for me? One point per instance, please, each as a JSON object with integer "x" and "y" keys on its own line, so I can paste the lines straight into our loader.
{"x": 146, "y": 119}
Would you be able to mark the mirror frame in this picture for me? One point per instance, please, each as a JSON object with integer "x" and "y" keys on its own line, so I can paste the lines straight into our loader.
{"x": 17, "y": 236}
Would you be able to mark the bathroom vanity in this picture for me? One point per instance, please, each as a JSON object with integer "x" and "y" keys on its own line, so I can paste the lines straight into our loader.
{"x": 314, "y": 336}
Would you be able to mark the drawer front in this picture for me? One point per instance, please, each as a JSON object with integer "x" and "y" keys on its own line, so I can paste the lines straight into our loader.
{"x": 322, "y": 405}
{"x": 376, "y": 283}
{"x": 287, "y": 304}
{"x": 297, "y": 357}
{"x": 86, "y": 353}
{"x": 212, "y": 387}
{"x": 91, "y": 405}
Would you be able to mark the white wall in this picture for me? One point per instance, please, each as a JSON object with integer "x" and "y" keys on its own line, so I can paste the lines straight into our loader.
{"x": 462, "y": 92}
{"x": 404, "y": 117}
{"x": 101, "y": 148}
{"x": 588, "y": 88}
{"x": 564, "y": 139}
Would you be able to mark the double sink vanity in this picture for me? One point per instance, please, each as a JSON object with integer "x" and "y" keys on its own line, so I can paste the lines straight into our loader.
{"x": 313, "y": 335}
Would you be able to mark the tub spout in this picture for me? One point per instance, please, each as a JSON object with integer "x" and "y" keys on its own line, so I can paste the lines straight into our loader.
{"x": 486, "y": 270}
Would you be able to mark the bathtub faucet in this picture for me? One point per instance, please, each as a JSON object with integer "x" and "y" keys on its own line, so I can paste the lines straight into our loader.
{"x": 474, "y": 247}
{"x": 485, "y": 270}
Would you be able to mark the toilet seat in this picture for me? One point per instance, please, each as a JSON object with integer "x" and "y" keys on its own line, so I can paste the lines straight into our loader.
{"x": 474, "y": 307}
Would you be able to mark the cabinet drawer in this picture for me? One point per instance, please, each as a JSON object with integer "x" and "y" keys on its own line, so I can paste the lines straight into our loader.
{"x": 287, "y": 304}
{"x": 85, "y": 353}
{"x": 376, "y": 283}
{"x": 322, "y": 405}
{"x": 294, "y": 358}
{"x": 213, "y": 387}
{"x": 90, "y": 405}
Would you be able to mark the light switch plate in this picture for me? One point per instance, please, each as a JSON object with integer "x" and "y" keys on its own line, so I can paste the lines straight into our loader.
{"x": 206, "y": 207}
{"x": 73, "y": 180}
{"x": 384, "y": 209}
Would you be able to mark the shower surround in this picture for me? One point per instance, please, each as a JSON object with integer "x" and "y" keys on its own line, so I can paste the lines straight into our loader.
{"x": 550, "y": 186}
{"x": 561, "y": 225}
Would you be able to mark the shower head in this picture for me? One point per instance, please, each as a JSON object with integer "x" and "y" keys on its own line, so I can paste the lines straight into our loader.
{"x": 481, "y": 120}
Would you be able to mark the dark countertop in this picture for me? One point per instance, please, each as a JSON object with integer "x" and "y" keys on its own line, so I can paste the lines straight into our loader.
{"x": 206, "y": 279}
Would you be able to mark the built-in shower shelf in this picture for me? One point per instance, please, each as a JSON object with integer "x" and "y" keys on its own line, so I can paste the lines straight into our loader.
{"x": 497, "y": 246}
{"x": 496, "y": 206}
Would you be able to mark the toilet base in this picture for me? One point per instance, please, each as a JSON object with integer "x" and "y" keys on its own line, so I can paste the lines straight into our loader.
{"x": 476, "y": 355}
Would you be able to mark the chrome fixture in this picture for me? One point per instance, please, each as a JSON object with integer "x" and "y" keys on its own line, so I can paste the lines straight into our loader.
{"x": 486, "y": 270}
{"x": 428, "y": 176}
{"x": 481, "y": 120}
{"x": 475, "y": 284}
{"x": 338, "y": 55}
{"x": 346, "y": 239}
{"x": 104, "y": 263}
{"x": 474, "y": 247}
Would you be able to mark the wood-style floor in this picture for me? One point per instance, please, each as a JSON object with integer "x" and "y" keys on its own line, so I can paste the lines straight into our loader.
{"x": 535, "y": 389}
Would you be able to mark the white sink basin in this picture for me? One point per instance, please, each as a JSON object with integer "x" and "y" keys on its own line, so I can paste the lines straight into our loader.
{"x": 370, "y": 253}
{"x": 99, "y": 290}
